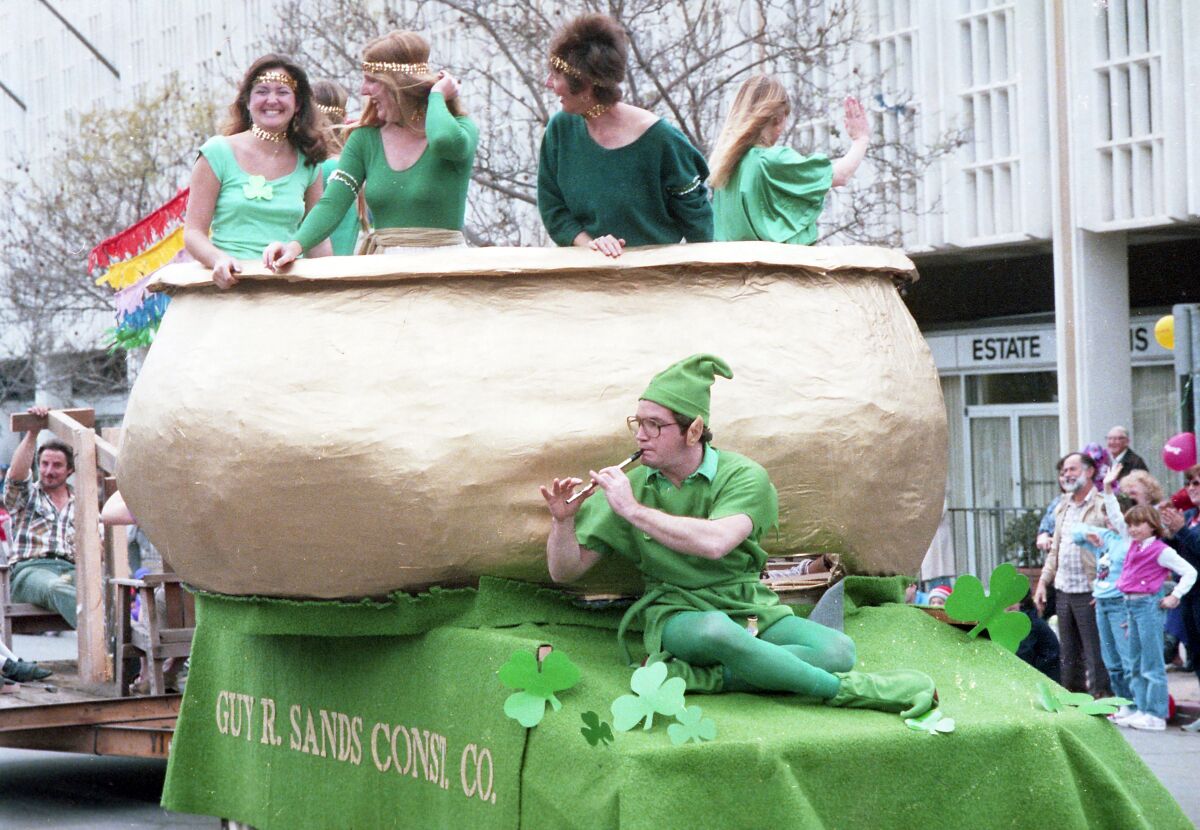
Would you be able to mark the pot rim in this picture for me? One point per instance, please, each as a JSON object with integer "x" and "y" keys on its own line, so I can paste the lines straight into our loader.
{"x": 500, "y": 262}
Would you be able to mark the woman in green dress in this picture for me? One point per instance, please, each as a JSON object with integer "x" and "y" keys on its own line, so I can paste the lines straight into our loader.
{"x": 769, "y": 192}
{"x": 411, "y": 154}
{"x": 255, "y": 182}
{"x": 331, "y": 99}
{"x": 611, "y": 174}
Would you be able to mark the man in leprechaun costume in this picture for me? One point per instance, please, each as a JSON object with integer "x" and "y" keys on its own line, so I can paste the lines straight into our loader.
{"x": 691, "y": 518}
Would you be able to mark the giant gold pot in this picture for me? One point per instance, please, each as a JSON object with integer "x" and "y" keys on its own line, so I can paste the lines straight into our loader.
{"x": 362, "y": 425}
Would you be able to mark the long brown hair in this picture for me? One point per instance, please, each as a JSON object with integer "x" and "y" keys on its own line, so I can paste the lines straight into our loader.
{"x": 305, "y": 131}
{"x": 408, "y": 92}
{"x": 332, "y": 95}
{"x": 761, "y": 100}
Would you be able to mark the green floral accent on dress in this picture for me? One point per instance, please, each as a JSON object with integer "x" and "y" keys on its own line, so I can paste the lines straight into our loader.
{"x": 257, "y": 188}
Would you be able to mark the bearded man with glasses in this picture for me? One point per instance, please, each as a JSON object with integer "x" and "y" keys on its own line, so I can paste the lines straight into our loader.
{"x": 690, "y": 518}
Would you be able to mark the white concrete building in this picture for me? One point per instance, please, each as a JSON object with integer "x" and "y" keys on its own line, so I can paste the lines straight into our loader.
{"x": 1067, "y": 225}
{"x": 1049, "y": 243}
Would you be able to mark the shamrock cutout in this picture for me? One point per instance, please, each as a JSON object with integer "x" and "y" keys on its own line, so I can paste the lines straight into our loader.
{"x": 692, "y": 726}
{"x": 653, "y": 693}
{"x": 257, "y": 188}
{"x": 932, "y": 722}
{"x": 1053, "y": 701}
{"x": 968, "y": 602}
{"x": 595, "y": 730}
{"x": 557, "y": 674}
{"x": 1047, "y": 698}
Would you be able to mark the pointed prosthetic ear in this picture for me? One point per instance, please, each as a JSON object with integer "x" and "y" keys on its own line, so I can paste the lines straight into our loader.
{"x": 694, "y": 431}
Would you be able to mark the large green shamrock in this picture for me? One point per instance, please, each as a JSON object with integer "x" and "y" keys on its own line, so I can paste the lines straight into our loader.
{"x": 557, "y": 674}
{"x": 595, "y": 730}
{"x": 653, "y": 693}
{"x": 1054, "y": 701}
{"x": 932, "y": 722}
{"x": 257, "y": 188}
{"x": 969, "y": 603}
{"x": 692, "y": 726}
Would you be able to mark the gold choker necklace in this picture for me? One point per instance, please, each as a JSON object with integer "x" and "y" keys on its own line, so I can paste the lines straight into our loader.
{"x": 596, "y": 111}
{"x": 267, "y": 135}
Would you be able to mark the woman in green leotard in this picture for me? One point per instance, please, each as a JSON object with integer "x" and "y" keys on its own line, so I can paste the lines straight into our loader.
{"x": 769, "y": 192}
{"x": 331, "y": 98}
{"x": 411, "y": 155}
{"x": 255, "y": 182}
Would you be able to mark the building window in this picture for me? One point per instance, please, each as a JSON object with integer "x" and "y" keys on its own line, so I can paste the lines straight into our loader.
{"x": 16, "y": 380}
{"x": 1155, "y": 418}
{"x": 988, "y": 89}
{"x": 1128, "y": 89}
{"x": 1012, "y": 387}
{"x": 98, "y": 374}
{"x": 893, "y": 61}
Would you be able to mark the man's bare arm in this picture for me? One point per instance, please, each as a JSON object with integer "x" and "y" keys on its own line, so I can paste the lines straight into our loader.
{"x": 22, "y": 460}
{"x": 565, "y": 559}
{"x": 705, "y": 538}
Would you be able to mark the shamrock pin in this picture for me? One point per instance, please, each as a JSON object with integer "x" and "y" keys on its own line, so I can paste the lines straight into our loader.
{"x": 1054, "y": 701}
{"x": 557, "y": 674}
{"x": 692, "y": 726}
{"x": 969, "y": 603}
{"x": 257, "y": 188}
{"x": 652, "y": 693}
{"x": 931, "y": 723}
{"x": 595, "y": 730}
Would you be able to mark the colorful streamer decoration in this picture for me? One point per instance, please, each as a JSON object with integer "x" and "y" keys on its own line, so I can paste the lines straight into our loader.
{"x": 129, "y": 260}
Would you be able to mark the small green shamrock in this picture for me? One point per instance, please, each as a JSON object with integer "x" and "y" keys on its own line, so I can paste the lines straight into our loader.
{"x": 968, "y": 602}
{"x": 653, "y": 693}
{"x": 932, "y": 723}
{"x": 595, "y": 730}
{"x": 1047, "y": 698}
{"x": 557, "y": 674}
{"x": 692, "y": 726}
{"x": 1053, "y": 701}
{"x": 257, "y": 188}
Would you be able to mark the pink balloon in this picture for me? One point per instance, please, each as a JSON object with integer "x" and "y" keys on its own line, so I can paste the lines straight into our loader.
{"x": 1179, "y": 452}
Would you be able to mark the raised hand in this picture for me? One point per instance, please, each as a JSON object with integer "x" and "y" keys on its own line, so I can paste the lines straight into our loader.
{"x": 857, "y": 125}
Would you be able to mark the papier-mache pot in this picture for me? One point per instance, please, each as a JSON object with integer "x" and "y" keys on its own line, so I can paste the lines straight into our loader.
{"x": 361, "y": 425}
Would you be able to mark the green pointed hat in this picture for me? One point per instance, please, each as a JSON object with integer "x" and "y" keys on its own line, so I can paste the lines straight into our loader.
{"x": 684, "y": 386}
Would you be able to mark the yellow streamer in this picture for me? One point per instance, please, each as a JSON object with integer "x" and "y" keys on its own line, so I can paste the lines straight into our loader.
{"x": 125, "y": 274}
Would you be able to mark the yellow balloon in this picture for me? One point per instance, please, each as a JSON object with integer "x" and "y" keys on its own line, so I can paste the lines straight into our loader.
{"x": 1164, "y": 331}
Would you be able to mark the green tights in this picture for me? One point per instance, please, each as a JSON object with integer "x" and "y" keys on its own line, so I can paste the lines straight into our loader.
{"x": 793, "y": 655}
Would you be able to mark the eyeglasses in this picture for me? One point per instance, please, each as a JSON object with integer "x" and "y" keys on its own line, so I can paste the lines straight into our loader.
{"x": 1192, "y": 482}
{"x": 651, "y": 427}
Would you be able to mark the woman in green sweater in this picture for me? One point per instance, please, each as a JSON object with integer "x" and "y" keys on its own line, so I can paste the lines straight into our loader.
{"x": 761, "y": 191}
{"x": 254, "y": 183}
{"x": 411, "y": 155}
{"x": 611, "y": 174}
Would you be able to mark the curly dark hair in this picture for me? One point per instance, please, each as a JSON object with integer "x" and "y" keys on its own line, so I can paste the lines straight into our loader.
{"x": 597, "y": 47}
{"x": 305, "y": 132}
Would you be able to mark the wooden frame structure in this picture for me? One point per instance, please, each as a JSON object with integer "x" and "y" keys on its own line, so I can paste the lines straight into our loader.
{"x": 93, "y": 453}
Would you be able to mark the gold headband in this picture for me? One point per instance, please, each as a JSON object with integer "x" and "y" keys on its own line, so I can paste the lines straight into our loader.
{"x": 276, "y": 77}
{"x": 388, "y": 66}
{"x": 564, "y": 67}
{"x": 332, "y": 112}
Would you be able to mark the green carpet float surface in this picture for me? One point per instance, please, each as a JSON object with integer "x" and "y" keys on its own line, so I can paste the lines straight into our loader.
{"x": 378, "y": 715}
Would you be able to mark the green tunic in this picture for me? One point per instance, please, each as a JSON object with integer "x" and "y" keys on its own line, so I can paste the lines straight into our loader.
{"x": 432, "y": 193}
{"x": 252, "y": 212}
{"x": 775, "y": 194}
{"x": 649, "y": 192}
{"x": 725, "y": 484}
{"x": 345, "y": 235}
